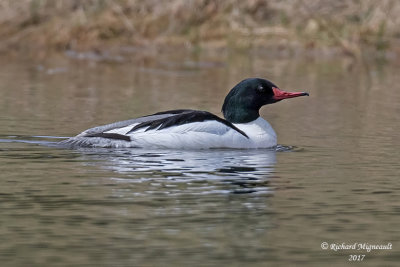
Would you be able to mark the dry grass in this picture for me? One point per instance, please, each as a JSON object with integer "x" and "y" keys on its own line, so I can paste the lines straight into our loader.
{"x": 95, "y": 24}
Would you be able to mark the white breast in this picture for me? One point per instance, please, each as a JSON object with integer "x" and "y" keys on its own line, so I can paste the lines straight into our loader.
{"x": 260, "y": 133}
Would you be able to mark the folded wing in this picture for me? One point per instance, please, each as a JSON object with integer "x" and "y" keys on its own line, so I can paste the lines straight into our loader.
{"x": 160, "y": 124}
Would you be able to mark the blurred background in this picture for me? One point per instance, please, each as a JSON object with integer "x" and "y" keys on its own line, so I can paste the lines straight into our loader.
{"x": 344, "y": 26}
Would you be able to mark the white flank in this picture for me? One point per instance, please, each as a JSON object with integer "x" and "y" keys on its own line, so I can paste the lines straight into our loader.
{"x": 203, "y": 135}
{"x": 195, "y": 135}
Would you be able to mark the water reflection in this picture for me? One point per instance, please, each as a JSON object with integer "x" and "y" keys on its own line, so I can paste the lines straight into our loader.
{"x": 193, "y": 172}
{"x": 178, "y": 208}
{"x": 133, "y": 207}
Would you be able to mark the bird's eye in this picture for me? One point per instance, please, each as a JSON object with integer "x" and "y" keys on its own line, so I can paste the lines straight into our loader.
{"x": 261, "y": 89}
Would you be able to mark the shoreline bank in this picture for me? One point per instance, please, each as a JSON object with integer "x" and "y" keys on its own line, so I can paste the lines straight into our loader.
{"x": 343, "y": 28}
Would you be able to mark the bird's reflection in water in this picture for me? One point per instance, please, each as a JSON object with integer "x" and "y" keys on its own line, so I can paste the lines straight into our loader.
{"x": 188, "y": 172}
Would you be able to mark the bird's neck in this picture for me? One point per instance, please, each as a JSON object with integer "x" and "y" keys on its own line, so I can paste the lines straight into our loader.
{"x": 239, "y": 114}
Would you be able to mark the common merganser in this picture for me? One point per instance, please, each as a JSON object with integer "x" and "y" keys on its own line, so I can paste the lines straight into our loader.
{"x": 194, "y": 129}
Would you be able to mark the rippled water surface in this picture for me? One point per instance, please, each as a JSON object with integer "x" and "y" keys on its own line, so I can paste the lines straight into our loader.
{"x": 335, "y": 178}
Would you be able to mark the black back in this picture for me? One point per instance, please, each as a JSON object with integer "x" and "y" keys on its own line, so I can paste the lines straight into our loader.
{"x": 182, "y": 117}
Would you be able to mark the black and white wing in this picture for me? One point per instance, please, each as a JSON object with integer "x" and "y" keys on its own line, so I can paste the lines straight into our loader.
{"x": 123, "y": 131}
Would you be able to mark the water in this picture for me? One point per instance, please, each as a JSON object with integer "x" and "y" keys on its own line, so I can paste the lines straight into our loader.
{"x": 334, "y": 179}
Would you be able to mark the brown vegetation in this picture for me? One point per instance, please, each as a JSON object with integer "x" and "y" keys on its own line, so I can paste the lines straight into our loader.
{"x": 350, "y": 25}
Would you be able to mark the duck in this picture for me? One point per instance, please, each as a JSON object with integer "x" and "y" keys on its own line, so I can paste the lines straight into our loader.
{"x": 241, "y": 127}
